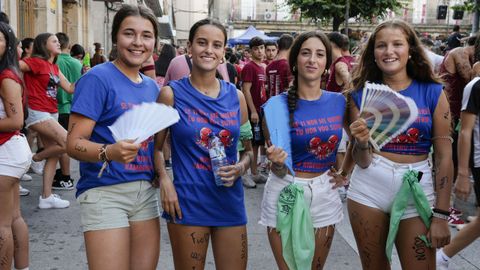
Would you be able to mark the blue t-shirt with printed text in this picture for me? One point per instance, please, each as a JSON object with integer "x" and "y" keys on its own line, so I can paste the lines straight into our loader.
{"x": 103, "y": 94}
{"x": 416, "y": 139}
{"x": 201, "y": 201}
{"x": 317, "y": 132}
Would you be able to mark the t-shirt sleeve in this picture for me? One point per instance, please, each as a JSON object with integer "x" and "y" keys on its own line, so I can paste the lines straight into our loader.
{"x": 247, "y": 74}
{"x": 90, "y": 96}
{"x": 472, "y": 103}
{"x": 35, "y": 64}
{"x": 8, "y": 74}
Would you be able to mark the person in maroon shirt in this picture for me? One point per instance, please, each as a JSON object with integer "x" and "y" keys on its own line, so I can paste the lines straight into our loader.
{"x": 278, "y": 71}
{"x": 253, "y": 87}
{"x": 270, "y": 52}
{"x": 342, "y": 63}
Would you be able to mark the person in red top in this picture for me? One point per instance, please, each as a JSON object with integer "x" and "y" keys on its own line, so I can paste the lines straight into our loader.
{"x": 339, "y": 74}
{"x": 13, "y": 229}
{"x": 271, "y": 51}
{"x": 42, "y": 78}
{"x": 253, "y": 87}
{"x": 278, "y": 71}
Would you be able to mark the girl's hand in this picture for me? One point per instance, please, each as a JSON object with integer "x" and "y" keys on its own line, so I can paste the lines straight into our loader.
{"x": 439, "y": 234}
{"x": 276, "y": 155}
{"x": 230, "y": 173}
{"x": 123, "y": 151}
{"x": 169, "y": 199}
{"x": 360, "y": 131}
{"x": 338, "y": 179}
{"x": 462, "y": 187}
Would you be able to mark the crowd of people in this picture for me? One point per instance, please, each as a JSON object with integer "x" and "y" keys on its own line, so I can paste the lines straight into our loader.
{"x": 49, "y": 86}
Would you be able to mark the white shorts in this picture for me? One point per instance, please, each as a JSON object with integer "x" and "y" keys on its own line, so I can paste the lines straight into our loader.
{"x": 324, "y": 202}
{"x": 15, "y": 157}
{"x": 35, "y": 117}
{"x": 377, "y": 185}
{"x": 342, "y": 147}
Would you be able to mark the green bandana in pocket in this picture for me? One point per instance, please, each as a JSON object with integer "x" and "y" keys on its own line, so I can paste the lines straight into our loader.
{"x": 410, "y": 186}
{"x": 294, "y": 224}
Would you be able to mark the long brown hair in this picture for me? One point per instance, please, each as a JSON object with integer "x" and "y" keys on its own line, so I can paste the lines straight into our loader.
{"x": 418, "y": 66}
{"x": 292, "y": 61}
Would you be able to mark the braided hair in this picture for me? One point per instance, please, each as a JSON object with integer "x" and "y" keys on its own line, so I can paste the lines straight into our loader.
{"x": 292, "y": 61}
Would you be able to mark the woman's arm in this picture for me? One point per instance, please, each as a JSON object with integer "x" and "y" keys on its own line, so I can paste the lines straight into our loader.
{"x": 81, "y": 148}
{"x": 361, "y": 148}
{"x": 65, "y": 84}
{"x": 23, "y": 66}
{"x": 462, "y": 185}
{"x": 11, "y": 93}
{"x": 231, "y": 173}
{"x": 168, "y": 194}
{"x": 439, "y": 231}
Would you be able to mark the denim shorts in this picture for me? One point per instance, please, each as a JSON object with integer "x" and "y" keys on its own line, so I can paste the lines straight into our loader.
{"x": 35, "y": 117}
{"x": 115, "y": 206}
{"x": 323, "y": 201}
{"x": 15, "y": 157}
{"x": 377, "y": 185}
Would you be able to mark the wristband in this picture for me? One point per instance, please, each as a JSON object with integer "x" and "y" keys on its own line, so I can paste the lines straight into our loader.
{"x": 440, "y": 216}
{"x": 343, "y": 173}
{"x": 361, "y": 147}
{"x": 440, "y": 211}
{"x": 102, "y": 155}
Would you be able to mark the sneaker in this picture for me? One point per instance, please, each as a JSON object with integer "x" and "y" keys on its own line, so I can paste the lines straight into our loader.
{"x": 24, "y": 191}
{"x": 168, "y": 164}
{"x": 455, "y": 211}
{"x": 63, "y": 184}
{"x": 54, "y": 201}
{"x": 442, "y": 264}
{"x": 259, "y": 178}
{"x": 37, "y": 166}
{"x": 460, "y": 226}
{"x": 248, "y": 181}
{"x": 453, "y": 220}
{"x": 471, "y": 218}
{"x": 26, "y": 177}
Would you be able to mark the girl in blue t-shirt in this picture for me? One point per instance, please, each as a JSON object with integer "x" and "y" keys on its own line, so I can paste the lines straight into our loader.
{"x": 316, "y": 119}
{"x": 394, "y": 56}
{"x": 194, "y": 206}
{"x": 119, "y": 206}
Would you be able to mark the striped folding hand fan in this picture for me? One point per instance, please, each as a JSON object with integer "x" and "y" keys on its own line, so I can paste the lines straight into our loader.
{"x": 386, "y": 112}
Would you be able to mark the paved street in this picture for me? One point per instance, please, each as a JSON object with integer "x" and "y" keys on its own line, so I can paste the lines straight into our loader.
{"x": 56, "y": 240}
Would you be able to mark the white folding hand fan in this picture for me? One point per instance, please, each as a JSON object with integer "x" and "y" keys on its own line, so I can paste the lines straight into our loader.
{"x": 143, "y": 121}
{"x": 386, "y": 112}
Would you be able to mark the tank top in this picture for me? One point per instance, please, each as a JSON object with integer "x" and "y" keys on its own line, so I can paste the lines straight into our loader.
{"x": 332, "y": 83}
{"x": 201, "y": 201}
{"x": 454, "y": 85}
{"x": 416, "y": 140}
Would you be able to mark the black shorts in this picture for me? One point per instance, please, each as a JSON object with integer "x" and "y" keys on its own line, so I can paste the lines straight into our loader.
{"x": 261, "y": 140}
{"x": 63, "y": 120}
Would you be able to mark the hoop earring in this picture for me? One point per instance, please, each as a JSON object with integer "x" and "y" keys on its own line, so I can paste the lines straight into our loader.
{"x": 294, "y": 68}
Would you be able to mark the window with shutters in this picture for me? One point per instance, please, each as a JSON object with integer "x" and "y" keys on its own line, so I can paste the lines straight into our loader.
{"x": 26, "y": 18}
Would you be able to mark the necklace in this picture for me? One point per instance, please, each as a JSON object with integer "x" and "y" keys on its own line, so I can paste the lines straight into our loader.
{"x": 205, "y": 92}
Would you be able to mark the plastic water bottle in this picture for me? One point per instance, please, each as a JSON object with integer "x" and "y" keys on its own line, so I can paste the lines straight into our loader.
{"x": 217, "y": 156}
{"x": 257, "y": 135}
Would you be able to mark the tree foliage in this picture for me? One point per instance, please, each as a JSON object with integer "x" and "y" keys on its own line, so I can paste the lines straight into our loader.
{"x": 327, "y": 10}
